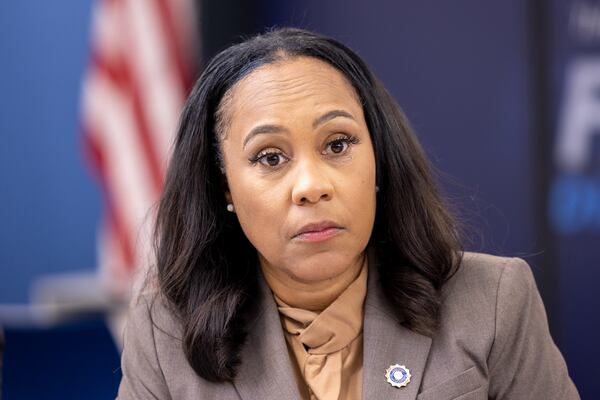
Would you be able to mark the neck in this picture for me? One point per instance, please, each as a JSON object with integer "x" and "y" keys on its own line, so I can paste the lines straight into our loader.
{"x": 315, "y": 295}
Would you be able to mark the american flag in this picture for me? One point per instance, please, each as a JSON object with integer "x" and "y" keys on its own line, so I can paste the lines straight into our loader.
{"x": 143, "y": 59}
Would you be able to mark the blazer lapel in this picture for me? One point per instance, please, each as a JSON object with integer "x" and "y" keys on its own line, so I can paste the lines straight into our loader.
{"x": 266, "y": 369}
{"x": 385, "y": 343}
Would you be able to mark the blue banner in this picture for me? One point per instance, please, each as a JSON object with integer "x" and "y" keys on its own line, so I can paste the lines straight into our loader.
{"x": 573, "y": 201}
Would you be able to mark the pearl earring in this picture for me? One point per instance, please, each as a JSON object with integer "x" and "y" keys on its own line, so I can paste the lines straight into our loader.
{"x": 230, "y": 207}
{"x": 376, "y": 189}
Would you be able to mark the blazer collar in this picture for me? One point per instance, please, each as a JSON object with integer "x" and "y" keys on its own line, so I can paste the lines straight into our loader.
{"x": 266, "y": 369}
{"x": 385, "y": 343}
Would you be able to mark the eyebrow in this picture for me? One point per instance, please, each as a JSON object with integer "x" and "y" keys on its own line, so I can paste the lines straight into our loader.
{"x": 331, "y": 115}
{"x": 268, "y": 128}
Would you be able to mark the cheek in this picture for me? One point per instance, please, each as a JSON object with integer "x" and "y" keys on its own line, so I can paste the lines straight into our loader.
{"x": 362, "y": 196}
{"x": 363, "y": 202}
{"x": 260, "y": 212}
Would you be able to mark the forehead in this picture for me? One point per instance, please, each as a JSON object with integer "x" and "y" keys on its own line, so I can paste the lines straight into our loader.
{"x": 288, "y": 86}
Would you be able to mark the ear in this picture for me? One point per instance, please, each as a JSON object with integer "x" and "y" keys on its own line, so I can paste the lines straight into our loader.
{"x": 228, "y": 197}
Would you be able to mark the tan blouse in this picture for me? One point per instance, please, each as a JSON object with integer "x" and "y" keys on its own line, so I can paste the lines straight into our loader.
{"x": 327, "y": 346}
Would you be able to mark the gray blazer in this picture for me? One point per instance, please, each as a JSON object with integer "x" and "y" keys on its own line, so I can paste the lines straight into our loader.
{"x": 493, "y": 342}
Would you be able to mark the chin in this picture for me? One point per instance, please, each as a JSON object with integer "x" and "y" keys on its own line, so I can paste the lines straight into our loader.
{"x": 320, "y": 267}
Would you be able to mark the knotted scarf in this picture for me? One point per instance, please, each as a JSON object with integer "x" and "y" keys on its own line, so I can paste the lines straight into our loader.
{"x": 327, "y": 346}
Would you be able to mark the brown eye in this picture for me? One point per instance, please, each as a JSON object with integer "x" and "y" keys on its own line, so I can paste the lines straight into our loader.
{"x": 272, "y": 159}
{"x": 269, "y": 158}
{"x": 338, "y": 146}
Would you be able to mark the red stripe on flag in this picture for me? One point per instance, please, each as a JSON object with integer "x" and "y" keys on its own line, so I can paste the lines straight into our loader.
{"x": 119, "y": 71}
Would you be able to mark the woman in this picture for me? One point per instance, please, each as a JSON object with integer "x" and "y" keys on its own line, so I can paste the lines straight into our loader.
{"x": 304, "y": 252}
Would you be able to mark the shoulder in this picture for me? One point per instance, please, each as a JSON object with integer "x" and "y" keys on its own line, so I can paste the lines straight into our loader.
{"x": 150, "y": 329}
{"x": 153, "y": 362}
{"x": 151, "y": 324}
{"x": 154, "y": 326}
{"x": 475, "y": 299}
{"x": 150, "y": 312}
{"x": 482, "y": 273}
{"x": 486, "y": 285}
{"x": 481, "y": 300}
{"x": 493, "y": 325}
{"x": 478, "y": 290}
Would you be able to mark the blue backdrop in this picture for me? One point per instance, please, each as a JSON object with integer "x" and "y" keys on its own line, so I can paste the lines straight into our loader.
{"x": 49, "y": 207}
{"x": 573, "y": 198}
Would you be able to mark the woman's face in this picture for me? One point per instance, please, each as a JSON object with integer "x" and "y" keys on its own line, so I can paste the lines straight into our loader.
{"x": 300, "y": 168}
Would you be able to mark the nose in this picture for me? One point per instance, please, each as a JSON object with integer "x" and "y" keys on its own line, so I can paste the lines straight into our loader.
{"x": 311, "y": 184}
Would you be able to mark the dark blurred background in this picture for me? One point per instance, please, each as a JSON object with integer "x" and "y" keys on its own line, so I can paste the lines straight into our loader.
{"x": 504, "y": 96}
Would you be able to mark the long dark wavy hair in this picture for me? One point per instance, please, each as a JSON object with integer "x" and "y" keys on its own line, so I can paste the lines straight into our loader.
{"x": 207, "y": 270}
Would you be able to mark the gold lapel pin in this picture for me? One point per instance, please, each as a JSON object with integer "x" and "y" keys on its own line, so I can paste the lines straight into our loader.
{"x": 397, "y": 375}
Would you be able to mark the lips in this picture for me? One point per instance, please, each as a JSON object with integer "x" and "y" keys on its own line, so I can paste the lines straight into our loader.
{"x": 319, "y": 231}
